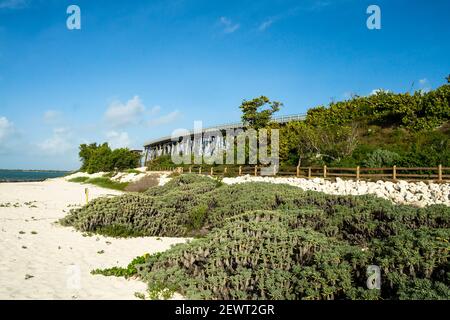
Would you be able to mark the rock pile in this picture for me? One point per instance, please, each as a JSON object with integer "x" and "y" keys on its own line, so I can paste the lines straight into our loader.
{"x": 402, "y": 192}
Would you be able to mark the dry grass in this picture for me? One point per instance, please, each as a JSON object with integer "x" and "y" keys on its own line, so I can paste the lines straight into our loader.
{"x": 143, "y": 184}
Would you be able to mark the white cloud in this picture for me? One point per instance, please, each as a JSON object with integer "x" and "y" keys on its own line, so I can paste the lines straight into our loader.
{"x": 13, "y": 4}
{"x": 318, "y": 5}
{"x": 122, "y": 114}
{"x": 424, "y": 85}
{"x": 266, "y": 24}
{"x": 228, "y": 25}
{"x": 58, "y": 143}
{"x": 6, "y": 128}
{"x": 52, "y": 116}
{"x": 165, "y": 119}
{"x": 118, "y": 139}
{"x": 155, "y": 110}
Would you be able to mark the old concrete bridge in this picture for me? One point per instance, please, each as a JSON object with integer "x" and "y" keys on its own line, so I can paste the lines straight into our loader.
{"x": 199, "y": 143}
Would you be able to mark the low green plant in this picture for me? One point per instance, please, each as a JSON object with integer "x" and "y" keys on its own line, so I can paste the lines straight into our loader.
{"x": 272, "y": 255}
{"x": 275, "y": 241}
{"x": 79, "y": 179}
{"x": 128, "y": 272}
{"x": 381, "y": 158}
{"x": 107, "y": 183}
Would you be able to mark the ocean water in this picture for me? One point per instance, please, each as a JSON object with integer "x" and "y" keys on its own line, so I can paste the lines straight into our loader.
{"x": 28, "y": 175}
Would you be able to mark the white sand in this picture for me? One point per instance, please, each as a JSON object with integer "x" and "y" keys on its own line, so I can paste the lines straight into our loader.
{"x": 58, "y": 258}
{"x": 124, "y": 176}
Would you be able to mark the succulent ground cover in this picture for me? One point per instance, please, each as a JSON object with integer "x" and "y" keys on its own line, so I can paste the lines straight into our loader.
{"x": 272, "y": 241}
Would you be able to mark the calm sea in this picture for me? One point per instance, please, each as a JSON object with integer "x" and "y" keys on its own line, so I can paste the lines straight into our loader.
{"x": 28, "y": 175}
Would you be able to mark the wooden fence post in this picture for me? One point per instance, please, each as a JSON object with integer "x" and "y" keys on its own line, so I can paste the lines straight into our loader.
{"x": 394, "y": 173}
{"x": 200, "y": 170}
{"x": 256, "y": 170}
{"x": 357, "y": 173}
{"x": 225, "y": 170}
{"x": 324, "y": 172}
{"x": 240, "y": 170}
{"x": 274, "y": 170}
{"x": 190, "y": 169}
{"x": 440, "y": 172}
{"x": 298, "y": 171}
{"x": 309, "y": 172}
{"x": 212, "y": 171}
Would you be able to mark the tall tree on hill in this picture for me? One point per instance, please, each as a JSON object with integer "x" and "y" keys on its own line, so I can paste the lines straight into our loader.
{"x": 253, "y": 116}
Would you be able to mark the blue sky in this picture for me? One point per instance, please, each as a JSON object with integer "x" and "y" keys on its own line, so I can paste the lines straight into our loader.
{"x": 139, "y": 69}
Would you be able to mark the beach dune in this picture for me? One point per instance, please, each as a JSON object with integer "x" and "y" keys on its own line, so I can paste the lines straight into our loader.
{"x": 40, "y": 259}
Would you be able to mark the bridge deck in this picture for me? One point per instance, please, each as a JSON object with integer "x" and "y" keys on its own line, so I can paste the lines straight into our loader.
{"x": 236, "y": 125}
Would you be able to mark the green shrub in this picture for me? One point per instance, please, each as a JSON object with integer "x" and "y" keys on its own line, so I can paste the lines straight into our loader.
{"x": 420, "y": 111}
{"x": 161, "y": 162}
{"x": 424, "y": 289}
{"x": 79, "y": 179}
{"x": 128, "y": 272}
{"x": 275, "y": 241}
{"x": 98, "y": 158}
{"x": 107, "y": 183}
{"x": 269, "y": 255}
{"x": 381, "y": 158}
{"x": 190, "y": 203}
{"x": 160, "y": 211}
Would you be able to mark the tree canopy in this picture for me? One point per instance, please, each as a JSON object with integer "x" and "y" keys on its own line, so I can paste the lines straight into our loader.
{"x": 100, "y": 158}
{"x": 257, "y": 113}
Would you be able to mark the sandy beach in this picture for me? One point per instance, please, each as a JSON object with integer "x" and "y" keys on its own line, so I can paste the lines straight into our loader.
{"x": 39, "y": 259}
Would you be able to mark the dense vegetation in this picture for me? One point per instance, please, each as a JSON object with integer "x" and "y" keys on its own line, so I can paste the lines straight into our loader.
{"x": 277, "y": 242}
{"x": 100, "y": 158}
{"x": 383, "y": 129}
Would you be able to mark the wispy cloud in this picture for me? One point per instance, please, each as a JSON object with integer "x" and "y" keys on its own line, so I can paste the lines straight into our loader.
{"x": 52, "y": 116}
{"x": 13, "y": 4}
{"x": 266, "y": 24}
{"x": 319, "y": 4}
{"x": 155, "y": 110}
{"x": 165, "y": 119}
{"x": 6, "y": 129}
{"x": 306, "y": 6}
{"x": 118, "y": 139}
{"x": 59, "y": 143}
{"x": 121, "y": 114}
{"x": 228, "y": 25}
